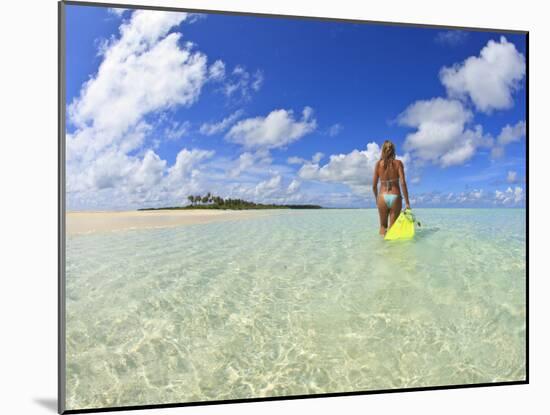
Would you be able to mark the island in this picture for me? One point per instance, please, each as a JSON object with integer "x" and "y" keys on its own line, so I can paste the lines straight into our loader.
{"x": 210, "y": 201}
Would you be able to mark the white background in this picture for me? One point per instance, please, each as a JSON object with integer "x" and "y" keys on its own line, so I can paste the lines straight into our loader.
{"x": 28, "y": 187}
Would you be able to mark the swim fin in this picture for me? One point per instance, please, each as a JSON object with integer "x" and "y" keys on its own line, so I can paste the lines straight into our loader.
{"x": 403, "y": 227}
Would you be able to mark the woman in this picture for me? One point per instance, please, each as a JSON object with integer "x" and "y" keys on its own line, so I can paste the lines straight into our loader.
{"x": 390, "y": 172}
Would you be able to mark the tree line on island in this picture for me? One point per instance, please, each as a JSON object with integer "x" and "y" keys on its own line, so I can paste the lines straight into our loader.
{"x": 210, "y": 201}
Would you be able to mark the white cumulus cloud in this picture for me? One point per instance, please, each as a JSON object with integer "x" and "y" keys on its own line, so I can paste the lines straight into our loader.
{"x": 186, "y": 161}
{"x": 221, "y": 126}
{"x": 279, "y": 128}
{"x": 247, "y": 160}
{"x": 489, "y": 79}
{"x": 354, "y": 169}
{"x": 441, "y": 135}
{"x": 177, "y": 130}
{"x": 268, "y": 187}
{"x": 510, "y": 196}
{"x": 116, "y": 11}
{"x": 293, "y": 186}
{"x": 216, "y": 71}
{"x": 240, "y": 83}
{"x": 508, "y": 134}
{"x": 143, "y": 70}
{"x": 316, "y": 158}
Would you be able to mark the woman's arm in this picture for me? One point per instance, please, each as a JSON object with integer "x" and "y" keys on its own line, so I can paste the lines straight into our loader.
{"x": 404, "y": 184}
{"x": 375, "y": 182}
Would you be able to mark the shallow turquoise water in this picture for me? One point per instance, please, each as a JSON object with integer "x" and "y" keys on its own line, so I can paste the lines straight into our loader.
{"x": 299, "y": 302}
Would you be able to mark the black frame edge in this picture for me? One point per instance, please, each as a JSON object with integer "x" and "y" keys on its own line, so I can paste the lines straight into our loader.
{"x": 291, "y": 397}
{"x": 527, "y": 207}
{"x": 61, "y": 373}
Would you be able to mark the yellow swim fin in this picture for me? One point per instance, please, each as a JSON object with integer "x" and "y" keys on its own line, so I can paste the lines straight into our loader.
{"x": 403, "y": 227}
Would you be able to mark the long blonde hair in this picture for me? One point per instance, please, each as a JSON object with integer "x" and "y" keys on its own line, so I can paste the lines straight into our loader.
{"x": 388, "y": 153}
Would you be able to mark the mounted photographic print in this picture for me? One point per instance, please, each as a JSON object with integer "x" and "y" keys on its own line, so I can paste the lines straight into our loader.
{"x": 264, "y": 207}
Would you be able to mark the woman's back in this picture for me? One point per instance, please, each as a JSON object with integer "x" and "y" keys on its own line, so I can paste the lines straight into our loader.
{"x": 389, "y": 176}
{"x": 389, "y": 173}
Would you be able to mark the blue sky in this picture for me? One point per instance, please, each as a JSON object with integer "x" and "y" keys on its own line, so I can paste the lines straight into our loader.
{"x": 161, "y": 105}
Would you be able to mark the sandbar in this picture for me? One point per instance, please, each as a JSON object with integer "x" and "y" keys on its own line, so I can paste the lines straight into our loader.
{"x": 92, "y": 222}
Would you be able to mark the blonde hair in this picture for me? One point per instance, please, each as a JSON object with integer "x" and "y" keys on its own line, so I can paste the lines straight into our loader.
{"x": 388, "y": 153}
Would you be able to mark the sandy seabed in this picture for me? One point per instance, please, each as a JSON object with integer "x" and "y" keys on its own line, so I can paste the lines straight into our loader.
{"x": 295, "y": 302}
{"x": 91, "y": 222}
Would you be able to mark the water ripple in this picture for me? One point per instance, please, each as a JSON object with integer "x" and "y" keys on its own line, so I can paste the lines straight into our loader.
{"x": 294, "y": 303}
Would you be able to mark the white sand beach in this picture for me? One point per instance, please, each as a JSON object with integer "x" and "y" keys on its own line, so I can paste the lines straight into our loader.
{"x": 91, "y": 222}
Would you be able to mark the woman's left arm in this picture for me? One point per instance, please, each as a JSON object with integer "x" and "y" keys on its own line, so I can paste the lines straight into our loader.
{"x": 404, "y": 184}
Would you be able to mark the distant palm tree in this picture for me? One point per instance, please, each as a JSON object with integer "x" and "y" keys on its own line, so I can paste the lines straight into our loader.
{"x": 191, "y": 199}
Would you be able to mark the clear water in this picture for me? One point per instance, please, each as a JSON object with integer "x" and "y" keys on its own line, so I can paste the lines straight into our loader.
{"x": 299, "y": 302}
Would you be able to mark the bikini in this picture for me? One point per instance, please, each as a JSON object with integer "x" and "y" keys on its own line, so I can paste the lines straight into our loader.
{"x": 388, "y": 197}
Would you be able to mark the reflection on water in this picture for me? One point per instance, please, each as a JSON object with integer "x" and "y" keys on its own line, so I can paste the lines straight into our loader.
{"x": 300, "y": 302}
